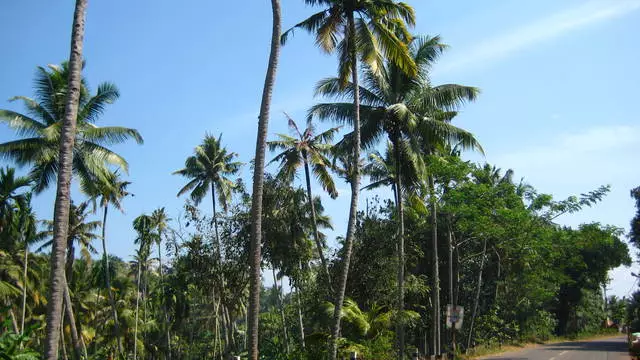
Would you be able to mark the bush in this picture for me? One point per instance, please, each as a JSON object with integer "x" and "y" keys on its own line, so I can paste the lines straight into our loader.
{"x": 539, "y": 327}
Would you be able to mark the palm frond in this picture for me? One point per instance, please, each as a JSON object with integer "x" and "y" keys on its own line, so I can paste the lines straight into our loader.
{"x": 109, "y": 135}
{"x": 22, "y": 124}
{"x": 107, "y": 93}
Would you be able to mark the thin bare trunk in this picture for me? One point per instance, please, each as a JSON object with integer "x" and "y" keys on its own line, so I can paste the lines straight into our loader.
{"x": 232, "y": 338}
{"x": 475, "y": 305}
{"x": 215, "y": 217}
{"x": 451, "y": 296}
{"x": 164, "y": 303}
{"x": 300, "y": 320}
{"x": 435, "y": 288}
{"x": 78, "y": 343}
{"x": 353, "y": 208}
{"x": 281, "y": 306}
{"x": 298, "y": 295}
{"x": 112, "y": 301}
{"x": 401, "y": 255}
{"x": 63, "y": 193}
{"x": 135, "y": 327}
{"x": 258, "y": 184}
{"x": 14, "y": 321}
{"x": 316, "y": 236}
{"x": 64, "y": 345}
{"x": 24, "y": 287}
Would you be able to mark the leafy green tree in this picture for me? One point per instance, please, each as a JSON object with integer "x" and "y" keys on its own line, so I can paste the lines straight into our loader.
{"x": 302, "y": 150}
{"x": 365, "y": 31}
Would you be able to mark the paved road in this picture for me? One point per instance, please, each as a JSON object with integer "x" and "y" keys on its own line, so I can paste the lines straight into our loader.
{"x": 602, "y": 349}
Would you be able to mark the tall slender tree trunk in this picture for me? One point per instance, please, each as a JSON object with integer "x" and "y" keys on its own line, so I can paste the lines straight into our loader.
{"x": 477, "y": 300}
{"x": 164, "y": 302}
{"x": 316, "y": 236}
{"x": 24, "y": 287}
{"x": 300, "y": 319}
{"x": 435, "y": 288}
{"x": 135, "y": 327}
{"x": 64, "y": 346}
{"x": 219, "y": 275}
{"x": 451, "y": 295}
{"x": 112, "y": 301}
{"x": 353, "y": 208}
{"x": 231, "y": 344}
{"x": 281, "y": 306}
{"x": 258, "y": 183}
{"x": 401, "y": 255}
{"x": 215, "y": 217}
{"x": 14, "y": 321}
{"x": 78, "y": 343}
{"x": 63, "y": 193}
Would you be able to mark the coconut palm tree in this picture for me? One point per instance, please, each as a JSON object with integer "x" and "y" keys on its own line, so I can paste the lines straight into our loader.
{"x": 40, "y": 129}
{"x": 409, "y": 111}
{"x": 109, "y": 191}
{"x": 255, "y": 256}
{"x": 299, "y": 151}
{"x": 365, "y": 30}
{"x": 210, "y": 168}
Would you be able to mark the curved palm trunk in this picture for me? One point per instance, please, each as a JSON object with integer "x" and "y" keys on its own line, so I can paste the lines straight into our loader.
{"x": 316, "y": 236}
{"x": 63, "y": 193}
{"x": 353, "y": 208}
{"x": 24, "y": 287}
{"x": 112, "y": 301}
{"x": 258, "y": 183}
{"x": 401, "y": 255}
{"x": 435, "y": 293}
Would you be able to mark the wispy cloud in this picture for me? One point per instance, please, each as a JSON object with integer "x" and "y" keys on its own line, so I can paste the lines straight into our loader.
{"x": 546, "y": 28}
{"x": 573, "y": 150}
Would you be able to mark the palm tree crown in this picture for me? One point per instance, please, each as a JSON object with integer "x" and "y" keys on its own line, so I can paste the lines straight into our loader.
{"x": 40, "y": 128}
{"x": 210, "y": 166}
{"x": 380, "y": 26}
{"x": 400, "y": 105}
{"x": 305, "y": 148}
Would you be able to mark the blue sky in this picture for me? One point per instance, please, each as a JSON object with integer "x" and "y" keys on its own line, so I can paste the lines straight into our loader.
{"x": 558, "y": 78}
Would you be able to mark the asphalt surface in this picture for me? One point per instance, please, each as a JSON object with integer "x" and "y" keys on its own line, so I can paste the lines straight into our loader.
{"x": 601, "y": 349}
